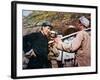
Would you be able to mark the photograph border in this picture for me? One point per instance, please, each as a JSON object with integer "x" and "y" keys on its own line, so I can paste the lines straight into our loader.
{"x": 14, "y": 38}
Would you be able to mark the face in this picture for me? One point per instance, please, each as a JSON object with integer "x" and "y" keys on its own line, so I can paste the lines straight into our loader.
{"x": 80, "y": 26}
{"x": 46, "y": 30}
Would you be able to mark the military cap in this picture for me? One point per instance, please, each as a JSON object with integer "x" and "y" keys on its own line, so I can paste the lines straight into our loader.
{"x": 84, "y": 21}
{"x": 46, "y": 23}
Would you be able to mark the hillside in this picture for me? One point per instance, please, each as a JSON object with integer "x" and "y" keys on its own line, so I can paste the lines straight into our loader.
{"x": 59, "y": 20}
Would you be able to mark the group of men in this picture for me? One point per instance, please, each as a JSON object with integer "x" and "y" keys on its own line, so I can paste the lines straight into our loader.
{"x": 41, "y": 54}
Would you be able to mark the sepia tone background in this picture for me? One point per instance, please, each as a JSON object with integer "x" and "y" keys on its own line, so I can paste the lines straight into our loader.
{"x": 60, "y": 20}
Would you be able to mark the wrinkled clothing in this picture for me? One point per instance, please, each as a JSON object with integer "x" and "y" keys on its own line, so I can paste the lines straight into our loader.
{"x": 39, "y": 43}
{"x": 52, "y": 56}
{"x": 81, "y": 46}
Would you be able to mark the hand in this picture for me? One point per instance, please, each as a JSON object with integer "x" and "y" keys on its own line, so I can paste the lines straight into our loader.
{"x": 51, "y": 42}
{"x": 30, "y": 54}
{"x": 58, "y": 40}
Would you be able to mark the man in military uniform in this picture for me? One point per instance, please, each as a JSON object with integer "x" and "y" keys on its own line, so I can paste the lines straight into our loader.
{"x": 37, "y": 43}
{"x": 53, "y": 51}
{"x": 80, "y": 45}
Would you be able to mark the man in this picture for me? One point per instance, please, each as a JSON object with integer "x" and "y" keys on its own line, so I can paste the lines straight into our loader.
{"x": 80, "y": 45}
{"x": 38, "y": 44}
{"x": 53, "y": 51}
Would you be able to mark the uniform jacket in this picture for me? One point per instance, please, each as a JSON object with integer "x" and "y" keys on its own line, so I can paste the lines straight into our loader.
{"x": 39, "y": 43}
{"x": 53, "y": 54}
{"x": 81, "y": 46}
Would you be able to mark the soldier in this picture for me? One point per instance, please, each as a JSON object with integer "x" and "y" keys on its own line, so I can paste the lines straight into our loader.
{"x": 80, "y": 45}
{"x": 37, "y": 43}
{"x": 53, "y": 51}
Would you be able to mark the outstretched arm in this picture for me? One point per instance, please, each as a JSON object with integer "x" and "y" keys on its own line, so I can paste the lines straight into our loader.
{"x": 61, "y": 45}
{"x": 77, "y": 42}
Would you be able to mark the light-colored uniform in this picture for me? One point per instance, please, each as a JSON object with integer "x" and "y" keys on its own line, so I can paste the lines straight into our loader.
{"x": 52, "y": 56}
{"x": 81, "y": 46}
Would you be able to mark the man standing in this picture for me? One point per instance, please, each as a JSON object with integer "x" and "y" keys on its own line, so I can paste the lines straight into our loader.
{"x": 38, "y": 42}
{"x": 80, "y": 45}
{"x": 53, "y": 51}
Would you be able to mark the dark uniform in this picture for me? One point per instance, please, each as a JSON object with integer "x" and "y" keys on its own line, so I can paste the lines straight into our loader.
{"x": 39, "y": 43}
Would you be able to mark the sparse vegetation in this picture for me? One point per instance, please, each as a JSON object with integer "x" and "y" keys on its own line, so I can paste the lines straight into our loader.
{"x": 60, "y": 20}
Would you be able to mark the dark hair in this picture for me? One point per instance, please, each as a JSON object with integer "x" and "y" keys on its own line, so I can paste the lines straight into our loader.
{"x": 46, "y": 23}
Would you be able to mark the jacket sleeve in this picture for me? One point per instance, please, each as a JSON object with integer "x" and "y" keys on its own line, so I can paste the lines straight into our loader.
{"x": 27, "y": 42}
{"x": 77, "y": 41}
{"x": 55, "y": 51}
{"x": 63, "y": 47}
